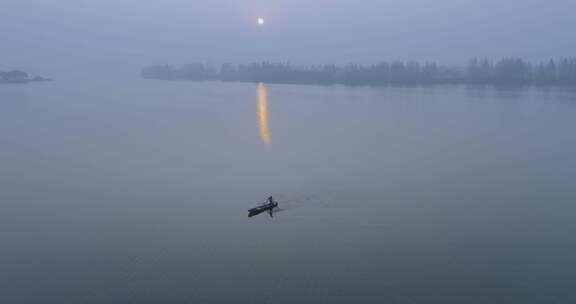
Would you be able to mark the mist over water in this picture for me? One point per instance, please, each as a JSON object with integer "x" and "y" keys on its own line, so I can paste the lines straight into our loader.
{"x": 137, "y": 191}
{"x": 110, "y": 37}
{"x": 450, "y": 181}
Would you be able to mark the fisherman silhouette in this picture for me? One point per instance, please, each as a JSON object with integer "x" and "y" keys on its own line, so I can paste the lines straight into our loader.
{"x": 271, "y": 202}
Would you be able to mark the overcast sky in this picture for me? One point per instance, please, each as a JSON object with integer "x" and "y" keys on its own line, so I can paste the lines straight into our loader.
{"x": 50, "y": 34}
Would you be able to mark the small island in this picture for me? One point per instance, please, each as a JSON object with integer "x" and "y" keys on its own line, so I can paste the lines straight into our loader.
{"x": 17, "y": 76}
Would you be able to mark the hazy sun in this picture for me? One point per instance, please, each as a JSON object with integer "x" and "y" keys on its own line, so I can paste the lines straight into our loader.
{"x": 260, "y": 21}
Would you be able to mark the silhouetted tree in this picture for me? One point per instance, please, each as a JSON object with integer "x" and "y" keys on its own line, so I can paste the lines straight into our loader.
{"x": 567, "y": 71}
{"x": 546, "y": 73}
{"x": 194, "y": 71}
{"x": 512, "y": 70}
{"x": 479, "y": 71}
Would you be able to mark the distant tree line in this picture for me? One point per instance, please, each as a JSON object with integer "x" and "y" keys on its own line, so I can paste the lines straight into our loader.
{"x": 18, "y": 76}
{"x": 477, "y": 71}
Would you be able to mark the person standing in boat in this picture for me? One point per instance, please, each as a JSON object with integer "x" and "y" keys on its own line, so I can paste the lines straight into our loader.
{"x": 271, "y": 202}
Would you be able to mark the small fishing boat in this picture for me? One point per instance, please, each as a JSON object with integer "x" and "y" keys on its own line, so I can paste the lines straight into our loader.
{"x": 269, "y": 206}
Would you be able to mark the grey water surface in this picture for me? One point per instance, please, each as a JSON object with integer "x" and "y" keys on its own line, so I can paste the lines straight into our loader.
{"x": 135, "y": 191}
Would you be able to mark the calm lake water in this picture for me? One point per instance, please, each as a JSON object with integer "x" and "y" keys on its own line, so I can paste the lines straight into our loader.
{"x": 137, "y": 192}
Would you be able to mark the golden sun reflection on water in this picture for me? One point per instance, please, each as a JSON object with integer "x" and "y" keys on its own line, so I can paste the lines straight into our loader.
{"x": 262, "y": 109}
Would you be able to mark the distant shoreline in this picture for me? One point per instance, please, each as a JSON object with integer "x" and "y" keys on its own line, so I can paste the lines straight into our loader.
{"x": 507, "y": 71}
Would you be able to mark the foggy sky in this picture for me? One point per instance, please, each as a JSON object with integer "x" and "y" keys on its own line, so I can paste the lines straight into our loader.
{"x": 53, "y": 35}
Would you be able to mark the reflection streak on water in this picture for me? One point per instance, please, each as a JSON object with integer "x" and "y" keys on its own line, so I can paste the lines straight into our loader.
{"x": 262, "y": 108}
